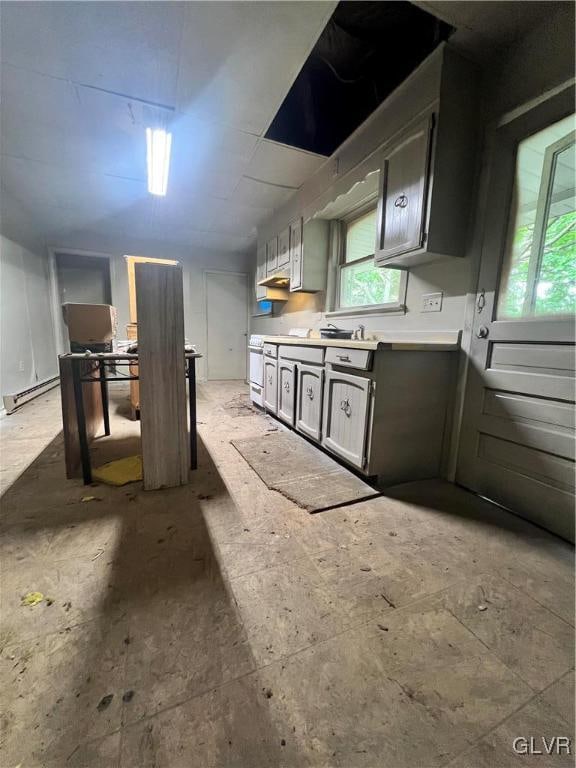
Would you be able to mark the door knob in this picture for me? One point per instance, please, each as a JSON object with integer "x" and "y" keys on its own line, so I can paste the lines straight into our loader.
{"x": 482, "y": 332}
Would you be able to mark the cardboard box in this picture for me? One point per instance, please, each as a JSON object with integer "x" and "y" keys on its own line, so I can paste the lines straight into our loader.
{"x": 90, "y": 323}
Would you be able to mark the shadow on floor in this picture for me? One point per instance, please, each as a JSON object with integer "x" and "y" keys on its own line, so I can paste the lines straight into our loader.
{"x": 136, "y": 617}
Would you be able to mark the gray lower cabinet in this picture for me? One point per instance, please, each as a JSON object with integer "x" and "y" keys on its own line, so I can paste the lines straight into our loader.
{"x": 270, "y": 384}
{"x": 310, "y": 392}
{"x": 346, "y": 414}
{"x": 286, "y": 391}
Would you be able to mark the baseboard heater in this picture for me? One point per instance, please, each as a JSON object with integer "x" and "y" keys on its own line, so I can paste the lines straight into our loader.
{"x": 11, "y": 402}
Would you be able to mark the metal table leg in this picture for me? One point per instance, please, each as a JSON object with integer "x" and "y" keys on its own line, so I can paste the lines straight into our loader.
{"x": 104, "y": 395}
{"x": 81, "y": 421}
{"x": 192, "y": 406}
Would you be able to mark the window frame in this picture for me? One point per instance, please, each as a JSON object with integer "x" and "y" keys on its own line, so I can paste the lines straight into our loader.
{"x": 540, "y": 224}
{"x": 344, "y": 222}
{"x": 513, "y": 140}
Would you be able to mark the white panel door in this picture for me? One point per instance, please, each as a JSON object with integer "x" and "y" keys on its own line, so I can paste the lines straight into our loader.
{"x": 227, "y": 325}
{"x": 517, "y": 444}
{"x": 346, "y": 409}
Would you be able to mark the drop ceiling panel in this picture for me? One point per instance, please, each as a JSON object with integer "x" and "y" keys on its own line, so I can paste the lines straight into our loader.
{"x": 239, "y": 59}
{"x": 76, "y": 154}
{"x": 240, "y": 219}
{"x": 279, "y": 164}
{"x": 130, "y": 48}
{"x": 260, "y": 194}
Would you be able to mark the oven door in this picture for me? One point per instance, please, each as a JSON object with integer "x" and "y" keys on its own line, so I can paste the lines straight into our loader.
{"x": 256, "y": 366}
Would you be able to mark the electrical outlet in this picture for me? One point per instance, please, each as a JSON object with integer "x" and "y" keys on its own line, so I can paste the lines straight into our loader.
{"x": 431, "y": 302}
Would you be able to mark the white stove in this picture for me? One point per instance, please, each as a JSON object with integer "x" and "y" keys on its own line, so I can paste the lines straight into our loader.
{"x": 255, "y": 354}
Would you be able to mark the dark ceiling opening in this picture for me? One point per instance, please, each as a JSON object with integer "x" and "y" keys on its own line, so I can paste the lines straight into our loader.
{"x": 365, "y": 51}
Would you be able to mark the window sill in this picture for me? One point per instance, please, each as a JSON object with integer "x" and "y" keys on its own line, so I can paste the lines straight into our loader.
{"x": 380, "y": 309}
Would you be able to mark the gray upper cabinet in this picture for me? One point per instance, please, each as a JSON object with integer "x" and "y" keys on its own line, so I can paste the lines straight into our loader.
{"x": 310, "y": 391}
{"x": 260, "y": 273}
{"x": 427, "y": 175}
{"x": 296, "y": 255}
{"x": 271, "y": 255}
{"x": 283, "y": 248}
{"x": 270, "y": 384}
{"x": 402, "y": 204}
{"x": 346, "y": 414}
{"x": 309, "y": 255}
{"x": 286, "y": 391}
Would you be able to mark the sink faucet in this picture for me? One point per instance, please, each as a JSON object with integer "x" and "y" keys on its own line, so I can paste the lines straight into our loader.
{"x": 360, "y": 332}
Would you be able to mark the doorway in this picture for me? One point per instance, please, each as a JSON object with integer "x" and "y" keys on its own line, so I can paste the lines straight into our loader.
{"x": 81, "y": 279}
{"x": 517, "y": 444}
{"x": 227, "y": 325}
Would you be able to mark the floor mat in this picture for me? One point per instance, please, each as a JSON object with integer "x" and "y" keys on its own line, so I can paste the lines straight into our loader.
{"x": 290, "y": 465}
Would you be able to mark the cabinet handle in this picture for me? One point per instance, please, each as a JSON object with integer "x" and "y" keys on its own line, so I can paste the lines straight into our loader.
{"x": 286, "y": 386}
{"x": 310, "y": 393}
{"x": 269, "y": 379}
{"x": 344, "y": 358}
{"x": 401, "y": 202}
{"x": 346, "y": 407}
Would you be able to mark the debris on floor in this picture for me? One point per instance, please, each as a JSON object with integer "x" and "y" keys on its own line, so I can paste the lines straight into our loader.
{"x": 32, "y": 598}
{"x": 241, "y": 405}
{"x": 128, "y": 696}
{"x": 120, "y": 472}
{"x": 105, "y": 702}
{"x": 90, "y": 498}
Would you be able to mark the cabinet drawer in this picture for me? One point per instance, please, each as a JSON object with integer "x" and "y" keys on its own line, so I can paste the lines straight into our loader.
{"x": 346, "y": 414}
{"x": 304, "y": 354}
{"x": 270, "y": 350}
{"x": 349, "y": 358}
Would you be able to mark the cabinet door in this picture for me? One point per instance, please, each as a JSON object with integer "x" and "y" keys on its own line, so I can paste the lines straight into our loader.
{"x": 270, "y": 385}
{"x": 286, "y": 391}
{"x": 402, "y": 203}
{"x": 271, "y": 255}
{"x": 310, "y": 391}
{"x": 260, "y": 273}
{"x": 284, "y": 247}
{"x": 346, "y": 410}
{"x": 296, "y": 255}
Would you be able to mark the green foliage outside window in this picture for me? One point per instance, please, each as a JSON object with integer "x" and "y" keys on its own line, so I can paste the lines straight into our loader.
{"x": 364, "y": 284}
{"x": 556, "y": 282}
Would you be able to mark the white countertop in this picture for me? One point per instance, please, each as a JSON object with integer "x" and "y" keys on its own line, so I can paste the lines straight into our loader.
{"x": 430, "y": 341}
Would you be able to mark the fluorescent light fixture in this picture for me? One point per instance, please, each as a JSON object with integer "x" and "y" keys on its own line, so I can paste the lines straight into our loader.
{"x": 158, "y": 144}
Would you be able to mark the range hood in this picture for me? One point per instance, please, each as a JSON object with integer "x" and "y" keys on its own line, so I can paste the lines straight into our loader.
{"x": 280, "y": 279}
{"x": 276, "y": 294}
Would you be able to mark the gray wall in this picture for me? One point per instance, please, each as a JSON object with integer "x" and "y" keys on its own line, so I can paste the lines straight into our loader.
{"x": 542, "y": 60}
{"x": 194, "y": 262}
{"x": 27, "y": 349}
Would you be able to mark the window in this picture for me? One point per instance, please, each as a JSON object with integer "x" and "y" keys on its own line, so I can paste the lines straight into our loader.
{"x": 361, "y": 283}
{"x": 539, "y": 275}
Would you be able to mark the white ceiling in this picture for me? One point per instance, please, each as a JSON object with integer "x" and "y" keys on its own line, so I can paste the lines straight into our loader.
{"x": 80, "y": 81}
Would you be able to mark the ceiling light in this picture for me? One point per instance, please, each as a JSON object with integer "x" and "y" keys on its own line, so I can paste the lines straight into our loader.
{"x": 158, "y": 144}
